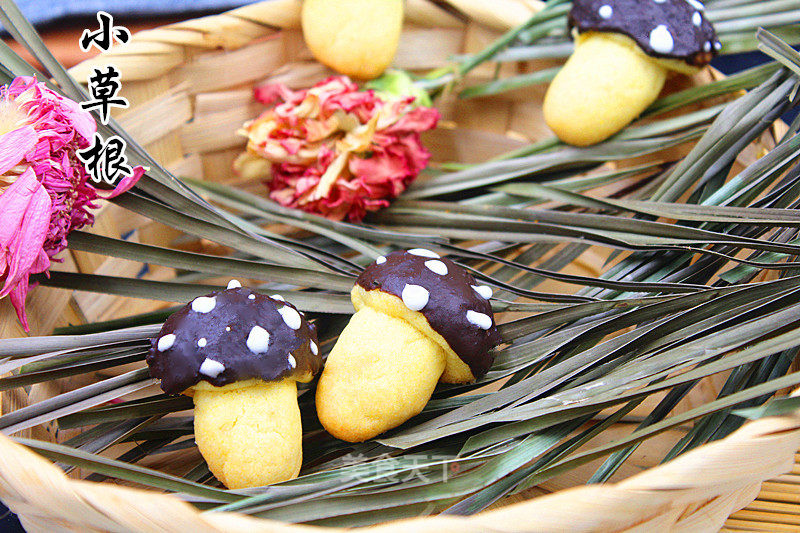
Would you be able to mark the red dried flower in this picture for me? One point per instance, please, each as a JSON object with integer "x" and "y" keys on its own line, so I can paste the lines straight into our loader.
{"x": 335, "y": 150}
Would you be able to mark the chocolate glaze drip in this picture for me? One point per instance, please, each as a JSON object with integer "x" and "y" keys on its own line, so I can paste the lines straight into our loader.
{"x": 695, "y": 44}
{"x": 451, "y": 296}
{"x": 239, "y": 309}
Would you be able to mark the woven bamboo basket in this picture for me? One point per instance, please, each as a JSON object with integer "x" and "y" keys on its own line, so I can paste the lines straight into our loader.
{"x": 190, "y": 88}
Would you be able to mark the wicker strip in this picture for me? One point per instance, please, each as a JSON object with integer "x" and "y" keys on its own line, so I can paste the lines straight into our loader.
{"x": 190, "y": 88}
{"x": 152, "y": 53}
{"x": 695, "y": 492}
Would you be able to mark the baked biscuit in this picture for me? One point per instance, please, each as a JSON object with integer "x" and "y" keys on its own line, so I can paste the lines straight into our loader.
{"x": 624, "y": 50}
{"x": 239, "y": 354}
{"x": 357, "y": 38}
{"x": 420, "y": 319}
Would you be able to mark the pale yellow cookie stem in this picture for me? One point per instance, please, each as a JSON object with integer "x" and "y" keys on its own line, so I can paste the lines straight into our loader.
{"x": 606, "y": 83}
{"x": 250, "y": 436}
{"x": 357, "y": 38}
{"x": 381, "y": 372}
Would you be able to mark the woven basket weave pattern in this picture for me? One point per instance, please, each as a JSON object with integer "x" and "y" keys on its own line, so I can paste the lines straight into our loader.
{"x": 190, "y": 88}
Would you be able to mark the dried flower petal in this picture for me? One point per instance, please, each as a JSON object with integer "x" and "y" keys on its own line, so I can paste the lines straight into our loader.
{"x": 14, "y": 145}
{"x": 26, "y": 216}
{"x": 335, "y": 150}
{"x": 45, "y": 191}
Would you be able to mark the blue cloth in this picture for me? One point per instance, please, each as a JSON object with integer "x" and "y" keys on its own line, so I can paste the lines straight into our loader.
{"x": 731, "y": 64}
{"x": 41, "y": 12}
{"x": 9, "y": 523}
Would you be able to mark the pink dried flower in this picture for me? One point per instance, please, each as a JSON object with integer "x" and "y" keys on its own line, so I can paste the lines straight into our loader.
{"x": 335, "y": 150}
{"x": 44, "y": 188}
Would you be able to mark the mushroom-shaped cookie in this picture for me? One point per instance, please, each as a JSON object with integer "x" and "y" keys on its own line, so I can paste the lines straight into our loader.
{"x": 239, "y": 354}
{"x": 420, "y": 319}
{"x": 623, "y": 52}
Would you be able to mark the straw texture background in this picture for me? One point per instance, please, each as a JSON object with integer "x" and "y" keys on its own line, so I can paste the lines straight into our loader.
{"x": 190, "y": 88}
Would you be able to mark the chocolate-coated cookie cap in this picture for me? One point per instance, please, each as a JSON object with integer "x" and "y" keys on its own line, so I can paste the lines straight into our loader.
{"x": 671, "y": 29}
{"x": 231, "y": 336}
{"x": 454, "y": 304}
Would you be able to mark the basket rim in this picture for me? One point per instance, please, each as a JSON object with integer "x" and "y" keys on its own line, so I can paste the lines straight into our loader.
{"x": 680, "y": 493}
{"x": 701, "y": 479}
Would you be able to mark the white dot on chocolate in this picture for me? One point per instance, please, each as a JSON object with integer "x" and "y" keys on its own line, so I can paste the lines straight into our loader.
{"x": 166, "y": 342}
{"x": 292, "y": 361}
{"x": 204, "y": 304}
{"x": 258, "y": 340}
{"x": 707, "y": 46}
{"x": 227, "y": 328}
{"x": 415, "y": 297}
{"x": 483, "y": 290}
{"x": 479, "y": 319}
{"x": 290, "y": 316}
{"x": 659, "y": 1}
{"x": 697, "y": 19}
{"x": 717, "y": 45}
{"x": 234, "y": 284}
{"x": 211, "y": 368}
{"x": 278, "y": 297}
{"x": 314, "y": 348}
{"x": 661, "y": 40}
{"x": 606, "y": 11}
{"x": 201, "y": 343}
{"x": 695, "y": 4}
{"x": 423, "y": 252}
{"x": 251, "y": 297}
{"x": 380, "y": 260}
{"x": 437, "y": 267}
